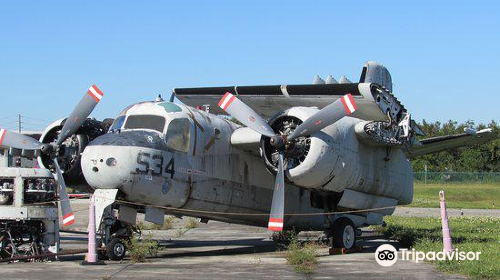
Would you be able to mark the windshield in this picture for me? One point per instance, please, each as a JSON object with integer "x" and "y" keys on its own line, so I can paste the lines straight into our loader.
{"x": 118, "y": 123}
{"x": 145, "y": 122}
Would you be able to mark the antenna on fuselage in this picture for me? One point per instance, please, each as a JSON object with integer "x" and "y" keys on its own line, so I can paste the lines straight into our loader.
{"x": 159, "y": 98}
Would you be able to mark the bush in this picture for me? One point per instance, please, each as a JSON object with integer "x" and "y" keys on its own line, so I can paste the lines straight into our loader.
{"x": 139, "y": 249}
{"x": 302, "y": 257}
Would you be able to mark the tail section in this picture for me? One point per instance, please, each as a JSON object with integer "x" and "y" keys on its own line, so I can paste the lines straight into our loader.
{"x": 374, "y": 72}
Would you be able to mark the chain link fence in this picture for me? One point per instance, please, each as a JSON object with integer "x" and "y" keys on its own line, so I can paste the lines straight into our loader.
{"x": 456, "y": 177}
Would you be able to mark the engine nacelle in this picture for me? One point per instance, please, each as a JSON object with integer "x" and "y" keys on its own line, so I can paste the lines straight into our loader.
{"x": 335, "y": 159}
{"x": 69, "y": 153}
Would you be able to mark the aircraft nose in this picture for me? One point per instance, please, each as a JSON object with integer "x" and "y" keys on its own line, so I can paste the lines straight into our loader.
{"x": 107, "y": 167}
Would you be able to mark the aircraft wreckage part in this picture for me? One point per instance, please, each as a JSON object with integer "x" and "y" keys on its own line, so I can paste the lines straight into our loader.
{"x": 245, "y": 114}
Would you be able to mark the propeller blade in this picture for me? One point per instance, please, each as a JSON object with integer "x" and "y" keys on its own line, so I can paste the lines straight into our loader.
{"x": 244, "y": 114}
{"x": 11, "y": 139}
{"x": 80, "y": 113}
{"x": 67, "y": 213}
{"x": 278, "y": 205}
{"x": 326, "y": 116}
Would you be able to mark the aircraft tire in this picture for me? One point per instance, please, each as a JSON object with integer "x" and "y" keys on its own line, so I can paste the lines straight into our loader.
{"x": 116, "y": 249}
{"x": 344, "y": 234}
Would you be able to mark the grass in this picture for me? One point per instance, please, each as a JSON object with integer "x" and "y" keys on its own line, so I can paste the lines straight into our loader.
{"x": 303, "y": 258}
{"x": 478, "y": 196}
{"x": 191, "y": 223}
{"x": 477, "y": 234}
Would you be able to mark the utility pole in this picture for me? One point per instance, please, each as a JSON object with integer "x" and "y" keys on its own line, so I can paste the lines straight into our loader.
{"x": 19, "y": 123}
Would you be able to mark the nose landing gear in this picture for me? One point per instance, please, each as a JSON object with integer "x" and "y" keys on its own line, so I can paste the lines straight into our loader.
{"x": 115, "y": 236}
{"x": 116, "y": 249}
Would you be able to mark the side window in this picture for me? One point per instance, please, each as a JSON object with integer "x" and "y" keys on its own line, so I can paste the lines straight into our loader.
{"x": 179, "y": 135}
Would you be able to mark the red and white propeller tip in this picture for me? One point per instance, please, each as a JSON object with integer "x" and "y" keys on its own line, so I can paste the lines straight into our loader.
{"x": 95, "y": 93}
{"x": 2, "y": 135}
{"x": 80, "y": 113}
{"x": 275, "y": 224}
{"x": 349, "y": 104}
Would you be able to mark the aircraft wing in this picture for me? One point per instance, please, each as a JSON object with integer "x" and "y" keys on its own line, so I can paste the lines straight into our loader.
{"x": 269, "y": 100}
{"x": 436, "y": 144}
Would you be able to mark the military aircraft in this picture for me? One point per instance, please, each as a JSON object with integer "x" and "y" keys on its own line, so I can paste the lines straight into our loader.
{"x": 325, "y": 156}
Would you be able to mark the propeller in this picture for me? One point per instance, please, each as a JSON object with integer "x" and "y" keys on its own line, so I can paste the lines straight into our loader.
{"x": 240, "y": 111}
{"x": 81, "y": 112}
{"x": 330, "y": 114}
{"x": 18, "y": 141}
{"x": 277, "y": 215}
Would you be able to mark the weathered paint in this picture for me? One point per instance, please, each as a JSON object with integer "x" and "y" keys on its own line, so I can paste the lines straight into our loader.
{"x": 223, "y": 178}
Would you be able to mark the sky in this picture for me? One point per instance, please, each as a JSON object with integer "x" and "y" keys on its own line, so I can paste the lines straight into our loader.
{"x": 443, "y": 55}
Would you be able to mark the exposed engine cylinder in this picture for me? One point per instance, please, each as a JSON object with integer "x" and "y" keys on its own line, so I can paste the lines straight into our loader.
{"x": 70, "y": 151}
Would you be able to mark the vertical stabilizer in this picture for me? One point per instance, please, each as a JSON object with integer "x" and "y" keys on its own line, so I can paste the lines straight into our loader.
{"x": 374, "y": 72}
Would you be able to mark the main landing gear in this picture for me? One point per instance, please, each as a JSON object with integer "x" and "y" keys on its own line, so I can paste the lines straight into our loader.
{"x": 343, "y": 234}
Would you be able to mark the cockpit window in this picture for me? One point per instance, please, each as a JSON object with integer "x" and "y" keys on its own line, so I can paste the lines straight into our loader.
{"x": 145, "y": 122}
{"x": 118, "y": 123}
{"x": 179, "y": 135}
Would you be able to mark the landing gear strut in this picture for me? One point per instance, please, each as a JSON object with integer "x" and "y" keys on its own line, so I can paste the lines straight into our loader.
{"x": 115, "y": 236}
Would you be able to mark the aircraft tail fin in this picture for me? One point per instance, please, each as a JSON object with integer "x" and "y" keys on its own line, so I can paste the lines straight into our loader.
{"x": 374, "y": 72}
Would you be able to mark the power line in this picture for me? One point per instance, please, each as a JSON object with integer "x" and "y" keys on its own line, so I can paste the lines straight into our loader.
{"x": 8, "y": 117}
{"x": 36, "y": 119}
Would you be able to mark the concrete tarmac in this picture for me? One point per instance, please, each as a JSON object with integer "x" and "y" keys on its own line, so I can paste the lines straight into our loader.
{"x": 219, "y": 251}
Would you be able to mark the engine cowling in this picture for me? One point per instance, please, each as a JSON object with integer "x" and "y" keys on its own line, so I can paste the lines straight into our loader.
{"x": 69, "y": 153}
{"x": 311, "y": 160}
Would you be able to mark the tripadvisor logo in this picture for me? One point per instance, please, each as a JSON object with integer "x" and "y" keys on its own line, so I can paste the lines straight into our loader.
{"x": 387, "y": 255}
